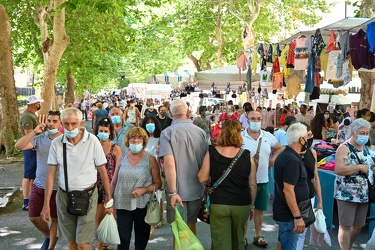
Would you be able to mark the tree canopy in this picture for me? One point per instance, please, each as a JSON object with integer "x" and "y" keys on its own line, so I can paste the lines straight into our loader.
{"x": 136, "y": 39}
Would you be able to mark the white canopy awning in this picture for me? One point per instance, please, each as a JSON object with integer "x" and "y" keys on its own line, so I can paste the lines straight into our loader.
{"x": 171, "y": 77}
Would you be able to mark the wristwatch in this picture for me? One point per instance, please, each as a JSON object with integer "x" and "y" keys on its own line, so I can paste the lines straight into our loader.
{"x": 172, "y": 194}
{"x": 298, "y": 217}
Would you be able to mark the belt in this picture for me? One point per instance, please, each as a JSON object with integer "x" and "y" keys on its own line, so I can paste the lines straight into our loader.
{"x": 84, "y": 190}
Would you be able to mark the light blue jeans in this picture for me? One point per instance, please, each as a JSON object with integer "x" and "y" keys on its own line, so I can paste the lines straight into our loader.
{"x": 287, "y": 237}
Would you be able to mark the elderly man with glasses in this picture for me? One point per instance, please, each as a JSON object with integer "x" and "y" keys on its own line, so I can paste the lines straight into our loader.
{"x": 262, "y": 146}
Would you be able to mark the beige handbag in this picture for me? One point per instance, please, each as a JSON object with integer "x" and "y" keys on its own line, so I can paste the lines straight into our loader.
{"x": 153, "y": 216}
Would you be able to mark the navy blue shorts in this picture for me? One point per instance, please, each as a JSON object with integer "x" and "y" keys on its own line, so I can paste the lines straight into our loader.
{"x": 29, "y": 164}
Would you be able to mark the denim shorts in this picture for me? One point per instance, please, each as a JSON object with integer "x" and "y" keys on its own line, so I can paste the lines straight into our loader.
{"x": 29, "y": 164}
{"x": 287, "y": 237}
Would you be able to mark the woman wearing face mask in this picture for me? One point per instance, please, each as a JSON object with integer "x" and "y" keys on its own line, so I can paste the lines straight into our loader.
{"x": 132, "y": 114}
{"x": 113, "y": 153}
{"x": 163, "y": 119}
{"x": 353, "y": 167}
{"x": 152, "y": 127}
{"x": 150, "y": 111}
{"x": 229, "y": 114}
{"x": 332, "y": 127}
{"x": 136, "y": 176}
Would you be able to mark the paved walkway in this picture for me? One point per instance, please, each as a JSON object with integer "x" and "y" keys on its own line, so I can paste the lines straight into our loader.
{"x": 17, "y": 232}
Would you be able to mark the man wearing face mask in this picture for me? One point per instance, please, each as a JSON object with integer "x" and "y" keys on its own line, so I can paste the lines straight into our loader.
{"x": 253, "y": 137}
{"x": 29, "y": 121}
{"x": 291, "y": 187}
{"x": 82, "y": 176}
{"x": 119, "y": 128}
{"x": 163, "y": 118}
{"x": 203, "y": 121}
{"x": 41, "y": 142}
{"x": 303, "y": 116}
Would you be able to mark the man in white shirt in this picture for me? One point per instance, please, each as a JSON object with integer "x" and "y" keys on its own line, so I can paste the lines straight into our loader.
{"x": 303, "y": 116}
{"x": 268, "y": 146}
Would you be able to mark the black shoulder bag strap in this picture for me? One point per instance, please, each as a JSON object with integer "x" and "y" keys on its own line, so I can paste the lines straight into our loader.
{"x": 227, "y": 171}
{"x": 65, "y": 168}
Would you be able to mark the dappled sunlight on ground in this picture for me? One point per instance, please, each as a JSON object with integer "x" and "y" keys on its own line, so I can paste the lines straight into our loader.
{"x": 5, "y": 231}
{"x": 269, "y": 228}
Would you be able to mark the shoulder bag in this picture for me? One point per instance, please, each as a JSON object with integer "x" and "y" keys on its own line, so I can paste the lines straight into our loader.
{"x": 78, "y": 201}
{"x": 304, "y": 207}
{"x": 204, "y": 210}
{"x": 153, "y": 216}
{"x": 256, "y": 157}
{"x": 371, "y": 187}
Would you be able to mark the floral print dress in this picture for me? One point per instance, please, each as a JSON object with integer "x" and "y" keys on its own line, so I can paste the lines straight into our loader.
{"x": 354, "y": 187}
{"x": 110, "y": 167}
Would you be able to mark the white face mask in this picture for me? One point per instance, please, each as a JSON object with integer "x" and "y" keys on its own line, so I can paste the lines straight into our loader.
{"x": 326, "y": 116}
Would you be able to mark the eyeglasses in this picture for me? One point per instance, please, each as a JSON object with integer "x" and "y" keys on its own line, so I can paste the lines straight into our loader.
{"x": 255, "y": 119}
{"x": 133, "y": 138}
{"x": 51, "y": 112}
{"x": 363, "y": 133}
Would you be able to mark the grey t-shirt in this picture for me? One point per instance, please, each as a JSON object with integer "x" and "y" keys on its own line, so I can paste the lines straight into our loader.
{"x": 188, "y": 144}
{"x": 42, "y": 144}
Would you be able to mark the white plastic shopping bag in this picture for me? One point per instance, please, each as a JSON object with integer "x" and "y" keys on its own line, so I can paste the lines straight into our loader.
{"x": 107, "y": 231}
{"x": 319, "y": 239}
{"x": 320, "y": 221}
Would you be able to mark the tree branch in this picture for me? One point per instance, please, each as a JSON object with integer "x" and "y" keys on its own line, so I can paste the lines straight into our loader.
{"x": 236, "y": 13}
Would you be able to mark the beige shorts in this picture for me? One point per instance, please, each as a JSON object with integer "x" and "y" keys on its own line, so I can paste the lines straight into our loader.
{"x": 352, "y": 213}
{"x": 80, "y": 229}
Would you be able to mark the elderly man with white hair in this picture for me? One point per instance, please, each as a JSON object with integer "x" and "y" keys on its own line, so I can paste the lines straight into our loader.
{"x": 291, "y": 187}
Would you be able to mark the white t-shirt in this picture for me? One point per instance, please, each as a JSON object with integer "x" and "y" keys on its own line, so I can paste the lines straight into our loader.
{"x": 264, "y": 76}
{"x": 268, "y": 142}
{"x": 243, "y": 120}
{"x": 82, "y": 160}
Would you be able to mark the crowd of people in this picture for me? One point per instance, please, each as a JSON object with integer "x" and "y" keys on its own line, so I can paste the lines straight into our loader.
{"x": 137, "y": 148}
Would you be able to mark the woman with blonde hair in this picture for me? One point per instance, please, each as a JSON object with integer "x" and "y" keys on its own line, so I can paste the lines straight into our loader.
{"x": 232, "y": 201}
{"x": 137, "y": 175}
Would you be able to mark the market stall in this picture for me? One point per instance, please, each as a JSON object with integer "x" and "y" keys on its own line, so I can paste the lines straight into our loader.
{"x": 171, "y": 77}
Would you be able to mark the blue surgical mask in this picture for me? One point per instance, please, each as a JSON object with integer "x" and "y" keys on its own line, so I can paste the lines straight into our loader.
{"x": 207, "y": 113}
{"x": 52, "y": 131}
{"x": 103, "y": 136}
{"x": 71, "y": 134}
{"x": 136, "y": 148}
{"x": 116, "y": 119}
{"x": 150, "y": 127}
{"x": 255, "y": 126}
{"x": 362, "y": 139}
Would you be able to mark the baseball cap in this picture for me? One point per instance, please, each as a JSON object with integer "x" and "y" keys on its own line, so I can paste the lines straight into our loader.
{"x": 33, "y": 99}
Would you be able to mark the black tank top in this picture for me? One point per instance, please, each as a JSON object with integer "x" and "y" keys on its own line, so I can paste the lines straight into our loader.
{"x": 234, "y": 190}
{"x": 309, "y": 161}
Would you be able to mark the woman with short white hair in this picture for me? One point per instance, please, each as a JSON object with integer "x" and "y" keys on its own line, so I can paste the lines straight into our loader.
{"x": 354, "y": 168}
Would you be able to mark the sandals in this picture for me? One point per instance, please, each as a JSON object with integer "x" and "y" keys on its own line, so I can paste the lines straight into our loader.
{"x": 260, "y": 241}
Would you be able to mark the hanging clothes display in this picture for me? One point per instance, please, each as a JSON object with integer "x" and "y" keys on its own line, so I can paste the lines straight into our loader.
{"x": 360, "y": 51}
{"x": 332, "y": 42}
{"x": 301, "y": 54}
{"x": 290, "y": 58}
{"x": 277, "y": 81}
{"x": 276, "y": 65}
{"x": 332, "y": 66}
{"x": 323, "y": 63}
{"x": 371, "y": 36}
{"x": 241, "y": 63}
{"x": 283, "y": 58}
{"x": 293, "y": 87}
{"x": 264, "y": 76}
{"x": 309, "y": 86}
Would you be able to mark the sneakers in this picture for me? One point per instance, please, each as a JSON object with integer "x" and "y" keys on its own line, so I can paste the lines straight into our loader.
{"x": 45, "y": 244}
{"x": 25, "y": 207}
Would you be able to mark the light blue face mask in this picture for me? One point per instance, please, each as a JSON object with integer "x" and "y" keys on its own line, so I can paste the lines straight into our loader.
{"x": 71, "y": 134}
{"x": 116, "y": 119}
{"x": 207, "y": 113}
{"x": 150, "y": 127}
{"x": 103, "y": 136}
{"x": 136, "y": 148}
{"x": 362, "y": 139}
{"x": 52, "y": 131}
{"x": 255, "y": 126}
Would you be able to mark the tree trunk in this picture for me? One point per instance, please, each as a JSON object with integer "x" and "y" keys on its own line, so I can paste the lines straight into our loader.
{"x": 196, "y": 62}
{"x": 219, "y": 37}
{"x": 367, "y": 88}
{"x": 9, "y": 115}
{"x": 52, "y": 50}
{"x": 69, "y": 96}
{"x": 248, "y": 37}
